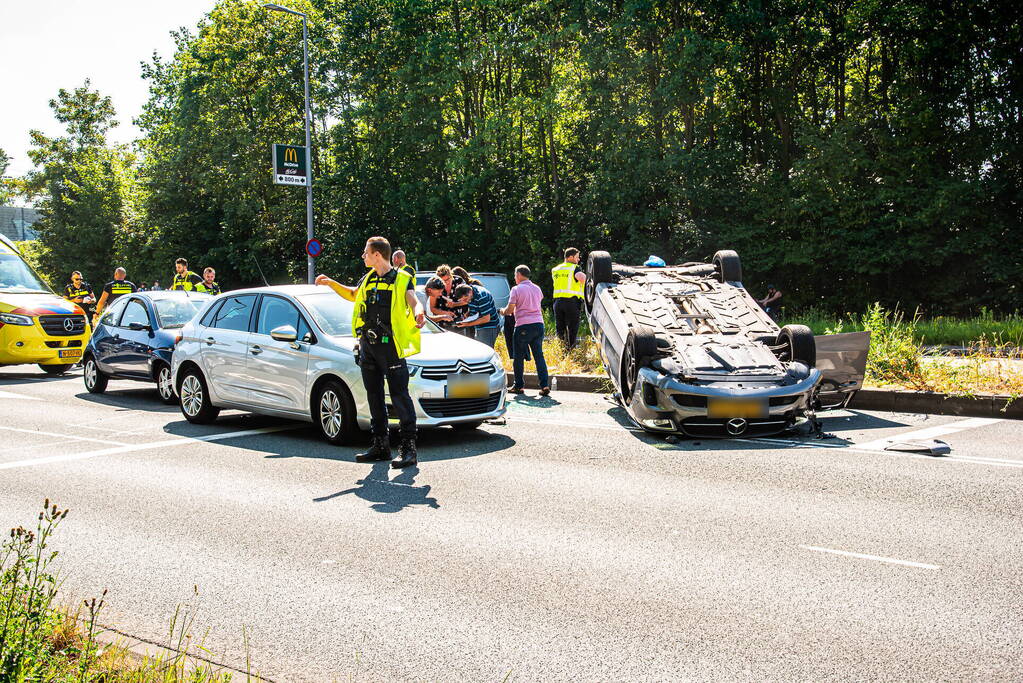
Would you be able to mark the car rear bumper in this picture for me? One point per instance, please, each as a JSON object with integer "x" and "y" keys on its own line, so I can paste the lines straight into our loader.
{"x": 663, "y": 404}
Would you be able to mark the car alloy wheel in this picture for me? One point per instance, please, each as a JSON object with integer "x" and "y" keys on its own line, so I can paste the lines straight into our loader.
{"x": 191, "y": 395}
{"x": 331, "y": 413}
{"x": 164, "y": 384}
{"x": 91, "y": 373}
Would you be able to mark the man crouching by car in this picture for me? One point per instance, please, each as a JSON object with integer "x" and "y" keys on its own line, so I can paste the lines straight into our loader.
{"x": 386, "y": 321}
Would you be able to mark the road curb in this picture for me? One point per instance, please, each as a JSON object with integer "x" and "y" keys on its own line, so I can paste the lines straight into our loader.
{"x": 894, "y": 401}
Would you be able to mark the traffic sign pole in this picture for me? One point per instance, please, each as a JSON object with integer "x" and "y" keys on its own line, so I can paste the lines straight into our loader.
{"x": 308, "y": 152}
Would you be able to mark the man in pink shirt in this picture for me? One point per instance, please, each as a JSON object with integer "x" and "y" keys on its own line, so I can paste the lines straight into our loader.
{"x": 524, "y": 303}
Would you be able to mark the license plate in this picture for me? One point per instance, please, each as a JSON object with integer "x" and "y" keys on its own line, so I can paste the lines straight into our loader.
{"x": 731, "y": 407}
{"x": 70, "y": 353}
{"x": 468, "y": 386}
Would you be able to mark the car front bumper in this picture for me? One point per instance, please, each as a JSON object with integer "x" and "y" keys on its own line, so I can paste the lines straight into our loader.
{"x": 663, "y": 404}
{"x": 30, "y": 344}
{"x": 435, "y": 409}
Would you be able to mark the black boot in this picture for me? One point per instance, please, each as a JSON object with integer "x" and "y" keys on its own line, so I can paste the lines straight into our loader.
{"x": 380, "y": 450}
{"x": 406, "y": 454}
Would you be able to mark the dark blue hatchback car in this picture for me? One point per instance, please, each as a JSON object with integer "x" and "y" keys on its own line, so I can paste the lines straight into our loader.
{"x": 134, "y": 339}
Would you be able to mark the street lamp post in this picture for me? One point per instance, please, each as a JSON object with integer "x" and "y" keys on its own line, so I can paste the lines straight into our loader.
{"x": 308, "y": 144}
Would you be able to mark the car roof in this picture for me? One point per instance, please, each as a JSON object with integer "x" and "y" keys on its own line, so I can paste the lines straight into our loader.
{"x": 171, "y": 294}
{"x": 290, "y": 290}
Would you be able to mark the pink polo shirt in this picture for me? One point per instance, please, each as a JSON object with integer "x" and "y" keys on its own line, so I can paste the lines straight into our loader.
{"x": 527, "y": 298}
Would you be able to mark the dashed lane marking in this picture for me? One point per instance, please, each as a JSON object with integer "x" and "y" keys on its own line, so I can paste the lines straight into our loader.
{"x": 21, "y": 397}
{"x": 876, "y": 558}
{"x": 930, "y": 432}
{"x": 169, "y": 443}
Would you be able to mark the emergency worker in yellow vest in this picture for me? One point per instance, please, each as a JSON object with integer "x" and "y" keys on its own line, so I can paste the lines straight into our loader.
{"x": 569, "y": 282}
{"x": 209, "y": 281}
{"x": 80, "y": 292}
{"x": 114, "y": 290}
{"x": 386, "y": 321}
{"x": 186, "y": 280}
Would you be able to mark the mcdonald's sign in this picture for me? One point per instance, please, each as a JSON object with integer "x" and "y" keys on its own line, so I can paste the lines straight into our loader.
{"x": 290, "y": 165}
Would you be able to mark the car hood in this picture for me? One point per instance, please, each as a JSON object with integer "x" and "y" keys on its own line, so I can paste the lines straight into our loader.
{"x": 37, "y": 304}
{"x": 442, "y": 347}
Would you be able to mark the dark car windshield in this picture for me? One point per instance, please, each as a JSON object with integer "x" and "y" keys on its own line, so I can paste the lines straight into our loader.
{"x": 16, "y": 276}
{"x": 334, "y": 314}
{"x": 175, "y": 311}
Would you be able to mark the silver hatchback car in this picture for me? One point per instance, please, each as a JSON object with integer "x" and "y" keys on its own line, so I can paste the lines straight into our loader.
{"x": 288, "y": 351}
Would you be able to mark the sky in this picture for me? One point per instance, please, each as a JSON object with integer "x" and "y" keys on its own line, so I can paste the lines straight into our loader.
{"x": 50, "y": 44}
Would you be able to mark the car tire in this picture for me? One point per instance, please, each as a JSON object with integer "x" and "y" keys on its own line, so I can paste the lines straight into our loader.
{"x": 95, "y": 379}
{"x": 640, "y": 349}
{"x": 195, "y": 398}
{"x": 728, "y": 266}
{"x": 598, "y": 270}
{"x": 55, "y": 369}
{"x": 165, "y": 384}
{"x": 801, "y": 346}
{"x": 468, "y": 426}
{"x": 333, "y": 413}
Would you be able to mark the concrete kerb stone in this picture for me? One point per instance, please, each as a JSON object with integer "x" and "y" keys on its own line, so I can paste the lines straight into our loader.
{"x": 894, "y": 401}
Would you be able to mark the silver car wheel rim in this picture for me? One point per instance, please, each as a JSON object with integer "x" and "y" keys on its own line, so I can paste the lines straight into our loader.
{"x": 163, "y": 382}
{"x": 330, "y": 414}
{"x": 191, "y": 395}
{"x": 90, "y": 373}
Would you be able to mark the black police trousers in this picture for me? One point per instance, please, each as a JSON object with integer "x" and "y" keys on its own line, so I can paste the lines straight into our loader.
{"x": 379, "y": 362}
{"x": 566, "y": 318}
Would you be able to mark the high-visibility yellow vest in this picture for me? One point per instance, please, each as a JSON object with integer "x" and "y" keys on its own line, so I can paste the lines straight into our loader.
{"x": 565, "y": 284}
{"x": 187, "y": 281}
{"x": 403, "y": 320}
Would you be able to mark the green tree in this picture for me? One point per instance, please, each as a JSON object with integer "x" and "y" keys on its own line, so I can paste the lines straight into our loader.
{"x": 86, "y": 190}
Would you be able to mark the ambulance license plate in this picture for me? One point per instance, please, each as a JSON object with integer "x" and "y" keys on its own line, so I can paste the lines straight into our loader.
{"x": 70, "y": 353}
{"x": 733, "y": 407}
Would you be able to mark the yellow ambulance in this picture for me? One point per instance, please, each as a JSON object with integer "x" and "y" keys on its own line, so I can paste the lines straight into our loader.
{"x": 36, "y": 325}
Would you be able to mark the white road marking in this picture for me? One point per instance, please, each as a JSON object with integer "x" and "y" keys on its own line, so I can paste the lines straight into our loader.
{"x": 929, "y": 432}
{"x": 63, "y": 436}
{"x": 169, "y": 443}
{"x": 8, "y": 394}
{"x": 565, "y": 423}
{"x": 876, "y": 558}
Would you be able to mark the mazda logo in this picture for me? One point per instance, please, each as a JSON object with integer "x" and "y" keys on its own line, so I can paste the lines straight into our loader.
{"x": 736, "y": 426}
{"x": 69, "y": 324}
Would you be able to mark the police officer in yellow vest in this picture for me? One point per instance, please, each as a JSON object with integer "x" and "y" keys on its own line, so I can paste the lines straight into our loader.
{"x": 186, "y": 280}
{"x": 569, "y": 282}
{"x": 114, "y": 290}
{"x": 386, "y": 321}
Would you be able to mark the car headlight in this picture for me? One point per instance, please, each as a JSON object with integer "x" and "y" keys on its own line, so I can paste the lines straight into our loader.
{"x": 498, "y": 365}
{"x": 15, "y": 319}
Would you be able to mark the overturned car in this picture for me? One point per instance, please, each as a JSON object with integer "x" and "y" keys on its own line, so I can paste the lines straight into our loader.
{"x": 691, "y": 352}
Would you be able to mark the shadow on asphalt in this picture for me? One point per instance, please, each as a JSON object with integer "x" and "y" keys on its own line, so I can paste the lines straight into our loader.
{"x": 388, "y": 495}
{"x": 11, "y": 379}
{"x": 144, "y": 397}
{"x": 536, "y": 401}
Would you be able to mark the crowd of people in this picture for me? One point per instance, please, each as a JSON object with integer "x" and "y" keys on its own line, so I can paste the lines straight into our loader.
{"x": 79, "y": 291}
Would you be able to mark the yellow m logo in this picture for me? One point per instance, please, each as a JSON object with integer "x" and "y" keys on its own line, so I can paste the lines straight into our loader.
{"x": 290, "y": 155}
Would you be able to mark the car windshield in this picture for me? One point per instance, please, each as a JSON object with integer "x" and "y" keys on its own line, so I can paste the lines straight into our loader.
{"x": 16, "y": 276}
{"x": 334, "y": 314}
{"x": 175, "y": 311}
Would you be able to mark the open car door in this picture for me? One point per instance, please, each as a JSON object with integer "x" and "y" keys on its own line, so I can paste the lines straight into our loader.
{"x": 842, "y": 360}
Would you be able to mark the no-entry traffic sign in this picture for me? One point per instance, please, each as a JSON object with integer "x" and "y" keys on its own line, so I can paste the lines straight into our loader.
{"x": 313, "y": 248}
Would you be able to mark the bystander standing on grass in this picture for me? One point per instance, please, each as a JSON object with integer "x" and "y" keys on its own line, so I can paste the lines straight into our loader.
{"x": 524, "y": 304}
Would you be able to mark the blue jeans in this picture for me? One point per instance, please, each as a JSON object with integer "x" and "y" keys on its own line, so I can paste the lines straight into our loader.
{"x": 529, "y": 337}
{"x": 487, "y": 335}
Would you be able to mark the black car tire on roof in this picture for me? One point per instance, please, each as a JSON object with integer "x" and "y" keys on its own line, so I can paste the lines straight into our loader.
{"x": 728, "y": 265}
{"x": 598, "y": 270}
{"x": 95, "y": 379}
{"x": 165, "y": 384}
{"x": 640, "y": 350}
{"x": 195, "y": 398}
{"x": 333, "y": 413}
{"x": 55, "y": 369}
{"x": 801, "y": 346}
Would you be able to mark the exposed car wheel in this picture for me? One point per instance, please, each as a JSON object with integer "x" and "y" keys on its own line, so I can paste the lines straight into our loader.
{"x": 95, "y": 379}
{"x": 195, "y": 399}
{"x": 598, "y": 270}
{"x": 799, "y": 343}
{"x": 640, "y": 350}
{"x": 55, "y": 369}
{"x": 468, "y": 426}
{"x": 334, "y": 413}
{"x": 165, "y": 384}
{"x": 728, "y": 266}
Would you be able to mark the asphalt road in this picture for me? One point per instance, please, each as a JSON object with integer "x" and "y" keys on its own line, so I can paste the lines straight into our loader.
{"x": 560, "y": 545}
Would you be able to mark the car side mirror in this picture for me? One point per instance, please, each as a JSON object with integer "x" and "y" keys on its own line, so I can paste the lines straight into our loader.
{"x": 138, "y": 327}
{"x": 284, "y": 333}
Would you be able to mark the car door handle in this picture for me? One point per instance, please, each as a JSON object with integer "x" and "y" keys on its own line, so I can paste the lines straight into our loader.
{"x": 210, "y": 341}
{"x": 256, "y": 350}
